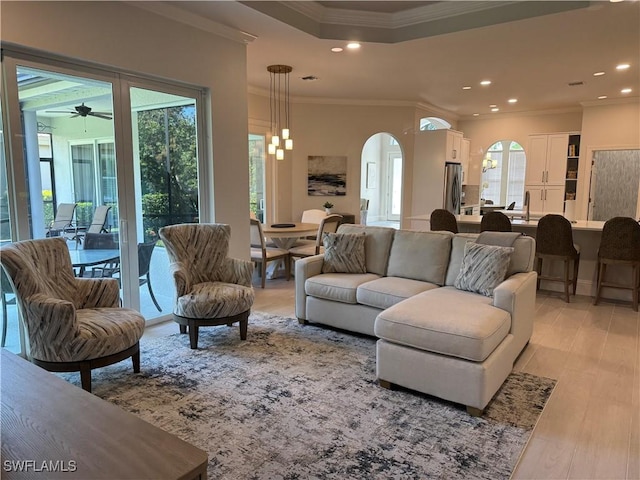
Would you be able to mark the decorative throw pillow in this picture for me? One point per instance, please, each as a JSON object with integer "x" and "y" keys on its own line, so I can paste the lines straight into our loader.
{"x": 344, "y": 253}
{"x": 483, "y": 268}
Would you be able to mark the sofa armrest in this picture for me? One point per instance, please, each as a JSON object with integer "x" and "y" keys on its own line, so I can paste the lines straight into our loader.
{"x": 517, "y": 295}
{"x": 305, "y": 268}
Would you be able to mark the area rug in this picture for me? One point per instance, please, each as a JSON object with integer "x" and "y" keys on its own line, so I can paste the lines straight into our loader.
{"x": 302, "y": 402}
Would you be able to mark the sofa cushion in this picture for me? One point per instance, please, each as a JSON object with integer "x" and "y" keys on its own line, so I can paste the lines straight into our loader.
{"x": 420, "y": 255}
{"x": 343, "y": 253}
{"x": 483, "y": 268}
{"x": 339, "y": 287}
{"x": 387, "y": 291}
{"x": 460, "y": 324}
{"x": 377, "y": 244}
{"x": 521, "y": 259}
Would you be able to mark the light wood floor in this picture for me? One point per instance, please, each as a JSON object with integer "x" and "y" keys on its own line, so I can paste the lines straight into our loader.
{"x": 590, "y": 427}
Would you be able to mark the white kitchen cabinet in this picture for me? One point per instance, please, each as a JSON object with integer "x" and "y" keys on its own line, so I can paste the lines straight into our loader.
{"x": 464, "y": 159}
{"x": 546, "y": 171}
{"x": 547, "y": 159}
{"x": 546, "y": 199}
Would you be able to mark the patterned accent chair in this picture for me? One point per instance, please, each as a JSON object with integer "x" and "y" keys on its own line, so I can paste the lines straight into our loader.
{"x": 211, "y": 288}
{"x": 72, "y": 324}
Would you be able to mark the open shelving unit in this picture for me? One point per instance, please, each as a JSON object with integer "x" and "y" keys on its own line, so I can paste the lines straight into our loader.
{"x": 571, "y": 176}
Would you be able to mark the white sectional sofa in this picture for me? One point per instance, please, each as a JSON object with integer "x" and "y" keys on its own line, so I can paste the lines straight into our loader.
{"x": 433, "y": 337}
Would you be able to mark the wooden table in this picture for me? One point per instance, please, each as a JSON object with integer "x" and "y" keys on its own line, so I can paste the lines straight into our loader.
{"x": 286, "y": 237}
{"x": 48, "y": 422}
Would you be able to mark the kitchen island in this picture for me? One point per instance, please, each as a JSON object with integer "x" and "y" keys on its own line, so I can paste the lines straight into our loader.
{"x": 586, "y": 234}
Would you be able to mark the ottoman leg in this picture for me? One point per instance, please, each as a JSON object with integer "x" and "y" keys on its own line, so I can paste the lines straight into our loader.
{"x": 385, "y": 384}
{"x": 474, "y": 412}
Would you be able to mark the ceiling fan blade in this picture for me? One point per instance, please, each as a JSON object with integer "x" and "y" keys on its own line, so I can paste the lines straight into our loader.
{"x": 100, "y": 115}
{"x": 58, "y": 111}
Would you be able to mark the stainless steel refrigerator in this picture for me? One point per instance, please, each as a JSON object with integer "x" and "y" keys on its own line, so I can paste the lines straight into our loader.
{"x": 452, "y": 187}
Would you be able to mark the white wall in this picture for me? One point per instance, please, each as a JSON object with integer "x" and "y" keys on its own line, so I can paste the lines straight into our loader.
{"x": 605, "y": 127}
{"x": 136, "y": 40}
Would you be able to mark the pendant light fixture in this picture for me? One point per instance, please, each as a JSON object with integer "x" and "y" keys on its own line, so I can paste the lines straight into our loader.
{"x": 280, "y": 108}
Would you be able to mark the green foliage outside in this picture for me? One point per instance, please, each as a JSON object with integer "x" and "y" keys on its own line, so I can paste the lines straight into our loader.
{"x": 168, "y": 165}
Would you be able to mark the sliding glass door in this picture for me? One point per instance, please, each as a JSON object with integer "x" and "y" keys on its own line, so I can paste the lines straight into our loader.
{"x": 124, "y": 142}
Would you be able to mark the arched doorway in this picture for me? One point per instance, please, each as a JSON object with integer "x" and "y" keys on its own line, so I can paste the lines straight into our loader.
{"x": 381, "y": 181}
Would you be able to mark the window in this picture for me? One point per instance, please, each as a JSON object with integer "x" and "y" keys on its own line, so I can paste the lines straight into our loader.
{"x": 503, "y": 174}
{"x": 434, "y": 123}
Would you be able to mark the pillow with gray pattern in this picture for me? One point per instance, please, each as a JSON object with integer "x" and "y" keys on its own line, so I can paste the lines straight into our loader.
{"x": 483, "y": 268}
{"x": 344, "y": 253}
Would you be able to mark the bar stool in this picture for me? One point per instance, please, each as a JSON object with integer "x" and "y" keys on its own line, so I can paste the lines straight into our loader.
{"x": 495, "y": 222}
{"x": 554, "y": 241}
{"x": 442, "y": 219}
{"x": 620, "y": 245}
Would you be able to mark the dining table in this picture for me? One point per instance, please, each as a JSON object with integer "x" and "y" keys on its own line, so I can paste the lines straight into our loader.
{"x": 284, "y": 235}
{"x": 83, "y": 258}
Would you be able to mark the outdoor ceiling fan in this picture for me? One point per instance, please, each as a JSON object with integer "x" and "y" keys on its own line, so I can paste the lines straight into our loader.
{"x": 84, "y": 111}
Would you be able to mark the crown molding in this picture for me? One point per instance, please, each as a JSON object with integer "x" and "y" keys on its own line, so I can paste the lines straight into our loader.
{"x": 179, "y": 15}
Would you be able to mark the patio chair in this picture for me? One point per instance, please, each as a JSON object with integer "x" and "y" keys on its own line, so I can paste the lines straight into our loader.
{"x": 63, "y": 221}
{"x": 98, "y": 223}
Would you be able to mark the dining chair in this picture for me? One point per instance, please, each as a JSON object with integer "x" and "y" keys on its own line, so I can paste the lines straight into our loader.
{"x": 261, "y": 254}
{"x": 441, "y": 219}
{"x": 495, "y": 222}
{"x": 554, "y": 241}
{"x": 72, "y": 324}
{"x": 329, "y": 224}
{"x": 211, "y": 287}
{"x": 313, "y": 215}
{"x": 63, "y": 221}
{"x": 619, "y": 245}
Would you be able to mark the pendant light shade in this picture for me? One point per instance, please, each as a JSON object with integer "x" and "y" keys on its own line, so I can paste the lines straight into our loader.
{"x": 280, "y": 109}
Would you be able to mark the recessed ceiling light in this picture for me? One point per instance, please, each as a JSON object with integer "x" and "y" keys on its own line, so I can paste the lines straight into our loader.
{"x": 626, "y": 90}
{"x": 493, "y": 105}
{"x": 336, "y": 49}
{"x": 495, "y": 109}
{"x": 353, "y": 45}
{"x": 598, "y": 74}
{"x": 476, "y": 114}
{"x": 602, "y": 97}
{"x": 622, "y": 66}
{"x": 513, "y": 100}
{"x": 466, "y": 87}
{"x": 485, "y": 82}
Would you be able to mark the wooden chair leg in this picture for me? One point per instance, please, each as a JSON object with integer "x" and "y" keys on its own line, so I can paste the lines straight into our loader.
{"x": 601, "y": 270}
{"x": 287, "y": 267}
{"x": 566, "y": 280}
{"x": 263, "y": 275}
{"x": 135, "y": 359}
{"x": 243, "y": 328}
{"x": 193, "y": 334}
{"x": 539, "y": 270}
{"x": 85, "y": 377}
{"x": 635, "y": 285}
{"x": 576, "y": 263}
